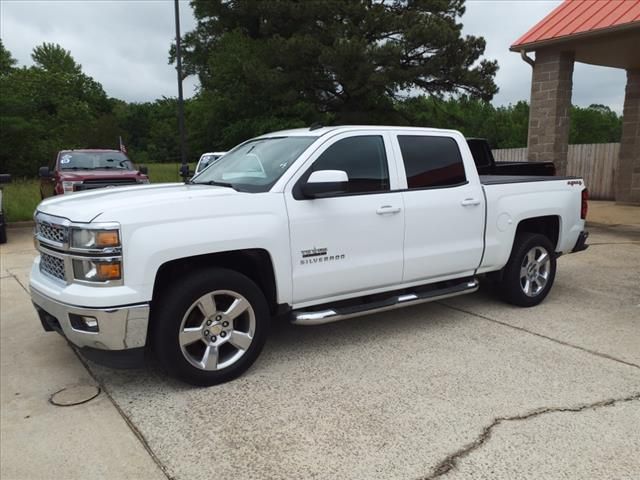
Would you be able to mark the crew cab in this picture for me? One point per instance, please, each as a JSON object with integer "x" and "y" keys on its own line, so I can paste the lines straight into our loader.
{"x": 79, "y": 170}
{"x": 317, "y": 225}
{"x": 487, "y": 165}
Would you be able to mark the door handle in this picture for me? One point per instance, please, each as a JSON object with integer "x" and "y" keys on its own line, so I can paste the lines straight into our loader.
{"x": 469, "y": 202}
{"x": 387, "y": 209}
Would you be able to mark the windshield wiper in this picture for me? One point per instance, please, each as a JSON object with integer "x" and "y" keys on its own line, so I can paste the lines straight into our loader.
{"x": 216, "y": 184}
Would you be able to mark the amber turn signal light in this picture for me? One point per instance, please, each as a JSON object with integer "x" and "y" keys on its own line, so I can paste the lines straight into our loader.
{"x": 108, "y": 271}
{"x": 107, "y": 238}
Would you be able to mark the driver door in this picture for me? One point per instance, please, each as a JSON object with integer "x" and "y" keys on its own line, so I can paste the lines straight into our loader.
{"x": 348, "y": 242}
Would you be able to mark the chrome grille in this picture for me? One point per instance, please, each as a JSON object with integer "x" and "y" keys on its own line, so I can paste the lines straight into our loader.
{"x": 51, "y": 265}
{"x": 54, "y": 233}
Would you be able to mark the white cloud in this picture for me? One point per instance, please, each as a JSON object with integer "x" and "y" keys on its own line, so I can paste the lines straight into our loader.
{"x": 124, "y": 44}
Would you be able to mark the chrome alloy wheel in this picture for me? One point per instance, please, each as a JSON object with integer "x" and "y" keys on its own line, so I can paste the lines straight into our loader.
{"x": 217, "y": 330}
{"x": 534, "y": 271}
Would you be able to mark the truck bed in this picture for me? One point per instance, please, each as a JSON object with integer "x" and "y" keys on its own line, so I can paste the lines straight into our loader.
{"x": 504, "y": 179}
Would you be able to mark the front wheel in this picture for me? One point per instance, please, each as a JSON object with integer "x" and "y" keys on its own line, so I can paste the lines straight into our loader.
{"x": 529, "y": 274}
{"x": 211, "y": 327}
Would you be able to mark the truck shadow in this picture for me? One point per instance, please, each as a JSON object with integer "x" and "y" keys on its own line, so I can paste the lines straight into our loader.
{"x": 290, "y": 344}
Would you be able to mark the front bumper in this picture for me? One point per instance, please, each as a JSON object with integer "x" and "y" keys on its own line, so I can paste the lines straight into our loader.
{"x": 119, "y": 328}
{"x": 581, "y": 243}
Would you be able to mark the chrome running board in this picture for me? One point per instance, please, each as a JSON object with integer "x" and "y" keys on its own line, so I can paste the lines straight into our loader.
{"x": 319, "y": 317}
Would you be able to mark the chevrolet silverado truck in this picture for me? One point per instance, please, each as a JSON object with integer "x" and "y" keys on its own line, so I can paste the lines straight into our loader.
{"x": 487, "y": 165}
{"x": 79, "y": 170}
{"x": 317, "y": 225}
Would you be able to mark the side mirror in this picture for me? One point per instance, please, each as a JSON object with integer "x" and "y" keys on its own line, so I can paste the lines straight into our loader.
{"x": 44, "y": 172}
{"x": 325, "y": 182}
{"x": 5, "y": 178}
{"x": 143, "y": 170}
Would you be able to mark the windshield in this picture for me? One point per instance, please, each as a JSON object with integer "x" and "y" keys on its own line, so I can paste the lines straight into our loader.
{"x": 256, "y": 165}
{"x": 95, "y": 161}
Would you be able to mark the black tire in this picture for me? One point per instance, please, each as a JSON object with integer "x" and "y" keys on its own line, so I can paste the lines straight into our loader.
{"x": 3, "y": 233}
{"x": 512, "y": 286}
{"x": 173, "y": 304}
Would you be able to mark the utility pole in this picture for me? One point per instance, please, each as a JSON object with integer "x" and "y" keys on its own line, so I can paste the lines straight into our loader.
{"x": 184, "y": 168}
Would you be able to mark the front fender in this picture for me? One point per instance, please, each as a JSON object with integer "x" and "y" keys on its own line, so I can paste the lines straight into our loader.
{"x": 149, "y": 245}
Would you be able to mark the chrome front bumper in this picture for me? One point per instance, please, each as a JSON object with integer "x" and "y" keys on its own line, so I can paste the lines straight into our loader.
{"x": 119, "y": 328}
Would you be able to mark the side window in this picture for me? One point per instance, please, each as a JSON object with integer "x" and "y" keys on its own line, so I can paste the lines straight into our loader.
{"x": 364, "y": 160}
{"x": 431, "y": 161}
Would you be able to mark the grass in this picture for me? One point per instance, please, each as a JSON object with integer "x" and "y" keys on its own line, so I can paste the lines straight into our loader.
{"x": 21, "y": 197}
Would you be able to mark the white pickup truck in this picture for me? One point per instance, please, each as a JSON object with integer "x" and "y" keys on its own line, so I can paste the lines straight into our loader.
{"x": 318, "y": 224}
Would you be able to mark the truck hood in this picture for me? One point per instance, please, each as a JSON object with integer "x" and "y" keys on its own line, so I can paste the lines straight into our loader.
{"x": 79, "y": 175}
{"x": 88, "y": 206}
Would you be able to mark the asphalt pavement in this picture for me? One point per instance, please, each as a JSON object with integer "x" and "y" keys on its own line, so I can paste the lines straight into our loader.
{"x": 465, "y": 388}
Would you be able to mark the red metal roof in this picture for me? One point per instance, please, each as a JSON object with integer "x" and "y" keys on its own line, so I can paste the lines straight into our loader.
{"x": 575, "y": 17}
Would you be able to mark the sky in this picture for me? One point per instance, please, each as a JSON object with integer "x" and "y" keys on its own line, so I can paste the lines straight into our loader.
{"x": 124, "y": 44}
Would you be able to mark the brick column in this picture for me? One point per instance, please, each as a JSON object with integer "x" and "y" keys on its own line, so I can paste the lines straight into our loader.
{"x": 551, "y": 86}
{"x": 628, "y": 171}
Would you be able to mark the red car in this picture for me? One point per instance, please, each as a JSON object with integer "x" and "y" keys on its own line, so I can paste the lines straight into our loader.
{"x": 78, "y": 170}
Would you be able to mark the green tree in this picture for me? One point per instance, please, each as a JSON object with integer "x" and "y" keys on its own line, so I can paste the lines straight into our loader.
{"x": 594, "y": 124}
{"x": 53, "y": 58}
{"x": 43, "y": 110}
{"x": 7, "y": 62}
{"x": 270, "y": 63}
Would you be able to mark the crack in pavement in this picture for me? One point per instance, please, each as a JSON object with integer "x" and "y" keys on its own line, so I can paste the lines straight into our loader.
{"x": 139, "y": 435}
{"x": 555, "y": 340}
{"x": 451, "y": 461}
{"x": 15, "y": 277}
{"x": 141, "y": 438}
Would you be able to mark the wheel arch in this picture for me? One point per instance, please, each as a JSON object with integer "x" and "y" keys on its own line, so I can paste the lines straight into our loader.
{"x": 255, "y": 263}
{"x": 548, "y": 225}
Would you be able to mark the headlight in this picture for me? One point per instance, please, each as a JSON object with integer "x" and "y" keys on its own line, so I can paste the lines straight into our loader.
{"x": 94, "y": 239}
{"x": 69, "y": 187}
{"x": 95, "y": 270}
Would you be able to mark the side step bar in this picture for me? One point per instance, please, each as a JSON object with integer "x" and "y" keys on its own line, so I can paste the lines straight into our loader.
{"x": 329, "y": 315}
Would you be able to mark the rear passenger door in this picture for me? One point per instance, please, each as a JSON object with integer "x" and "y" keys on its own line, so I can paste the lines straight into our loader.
{"x": 444, "y": 208}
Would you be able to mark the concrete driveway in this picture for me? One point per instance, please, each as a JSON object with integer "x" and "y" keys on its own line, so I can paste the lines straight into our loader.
{"x": 465, "y": 388}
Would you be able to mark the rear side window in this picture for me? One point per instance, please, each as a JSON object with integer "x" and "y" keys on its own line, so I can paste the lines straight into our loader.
{"x": 364, "y": 160}
{"x": 431, "y": 161}
{"x": 480, "y": 157}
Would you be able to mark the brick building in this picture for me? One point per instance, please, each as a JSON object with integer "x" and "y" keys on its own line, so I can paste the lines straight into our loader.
{"x": 597, "y": 32}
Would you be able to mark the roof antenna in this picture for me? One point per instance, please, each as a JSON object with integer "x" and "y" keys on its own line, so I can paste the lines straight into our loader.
{"x": 315, "y": 126}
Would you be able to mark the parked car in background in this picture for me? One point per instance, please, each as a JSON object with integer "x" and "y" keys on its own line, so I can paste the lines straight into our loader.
{"x": 207, "y": 159}
{"x": 4, "y": 178}
{"x": 487, "y": 165}
{"x": 321, "y": 224}
{"x": 78, "y": 170}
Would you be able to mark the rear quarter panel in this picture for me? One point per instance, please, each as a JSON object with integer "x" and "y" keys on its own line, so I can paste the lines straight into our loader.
{"x": 510, "y": 204}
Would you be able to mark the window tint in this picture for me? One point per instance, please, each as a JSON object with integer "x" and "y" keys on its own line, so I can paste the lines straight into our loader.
{"x": 478, "y": 152}
{"x": 364, "y": 160}
{"x": 431, "y": 161}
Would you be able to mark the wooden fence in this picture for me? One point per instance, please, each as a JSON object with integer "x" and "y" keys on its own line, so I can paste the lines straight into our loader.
{"x": 595, "y": 162}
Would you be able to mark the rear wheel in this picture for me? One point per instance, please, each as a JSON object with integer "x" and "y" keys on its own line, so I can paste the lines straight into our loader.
{"x": 529, "y": 274}
{"x": 212, "y": 328}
